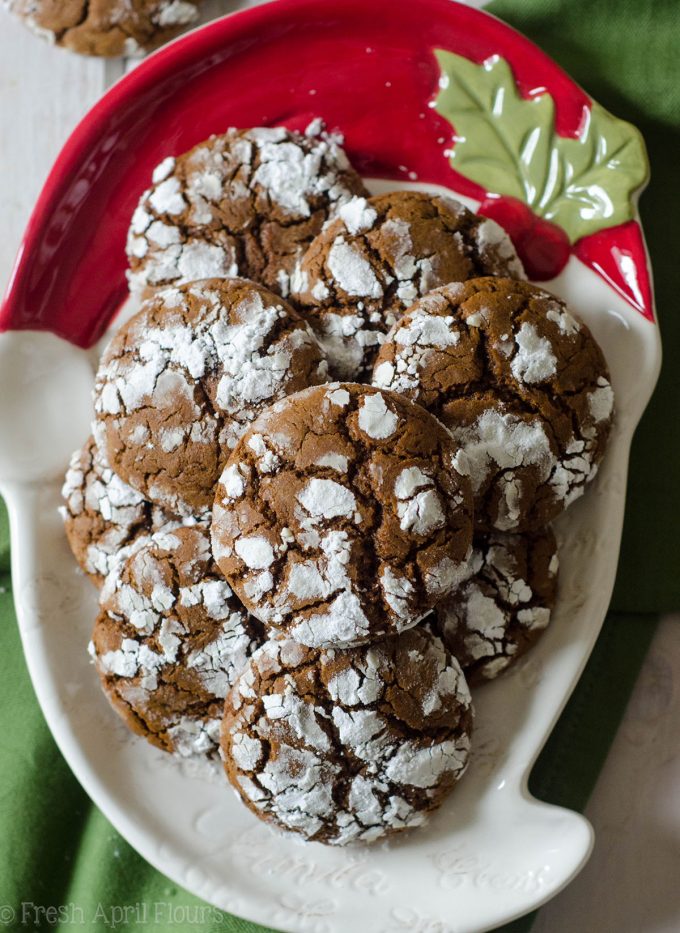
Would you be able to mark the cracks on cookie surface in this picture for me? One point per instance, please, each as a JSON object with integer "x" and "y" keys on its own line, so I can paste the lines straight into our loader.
{"x": 172, "y": 637}
{"x": 305, "y": 752}
{"x": 237, "y": 197}
{"x": 397, "y": 266}
{"x": 223, "y": 350}
{"x": 158, "y": 726}
{"x": 496, "y": 317}
{"x": 308, "y": 561}
{"x": 505, "y": 605}
{"x": 101, "y": 513}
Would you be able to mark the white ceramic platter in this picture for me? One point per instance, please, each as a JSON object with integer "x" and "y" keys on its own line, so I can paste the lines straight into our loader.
{"x": 492, "y": 853}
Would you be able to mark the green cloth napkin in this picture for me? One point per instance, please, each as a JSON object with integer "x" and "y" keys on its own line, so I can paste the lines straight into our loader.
{"x": 57, "y": 850}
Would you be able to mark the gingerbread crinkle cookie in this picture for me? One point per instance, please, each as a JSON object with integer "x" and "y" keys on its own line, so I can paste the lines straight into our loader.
{"x": 106, "y": 27}
{"x": 170, "y": 640}
{"x": 341, "y": 516}
{"x": 521, "y": 384}
{"x": 348, "y": 746}
{"x": 102, "y": 514}
{"x": 505, "y": 606}
{"x": 183, "y": 379}
{"x": 246, "y": 203}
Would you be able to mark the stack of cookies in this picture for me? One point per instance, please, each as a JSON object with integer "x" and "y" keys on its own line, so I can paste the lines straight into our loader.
{"x": 325, "y": 458}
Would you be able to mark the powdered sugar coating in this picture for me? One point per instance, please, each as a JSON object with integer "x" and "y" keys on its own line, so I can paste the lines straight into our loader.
{"x": 344, "y": 747}
{"x": 245, "y": 203}
{"x": 505, "y": 605}
{"x": 419, "y": 505}
{"x": 601, "y": 401}
{"x": 375, "y": 418}
{"x": 351, "y": 271}
{"x": 183, "y": 378}
{"x": 491, "y": 238}
{"x": 171, "y": 638}
{"x": 521, "y": 385}
{"x": 534, "y": 360}
{"x": 357, "y": 215}
{"x": 379, "y": 256}
{"x": 101, "y": 513}
{"x": 354, "y": 555}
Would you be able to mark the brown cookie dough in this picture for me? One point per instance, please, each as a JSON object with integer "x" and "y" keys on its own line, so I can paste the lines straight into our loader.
{"x": 184, "y": 377}
{"x": 521, "y": 384}
{"x": 501, "y": 611}
{"x": 171, "y": 639}
{"x": 106, "y": 27}
{"x": 341, "y": 517}
{"x": 378, "y": 256}
{"x": 246, "y": 203}
{"x": 348, "y": 746}
{"x": 101, "y": 513}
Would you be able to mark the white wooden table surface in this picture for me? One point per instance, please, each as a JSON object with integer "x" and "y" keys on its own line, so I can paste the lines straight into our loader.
{"x": 632, "y": 883}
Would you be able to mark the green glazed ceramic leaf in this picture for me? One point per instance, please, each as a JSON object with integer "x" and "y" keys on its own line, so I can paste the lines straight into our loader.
{"x": 508, "y": 144}
{"x": 595, "y": 176}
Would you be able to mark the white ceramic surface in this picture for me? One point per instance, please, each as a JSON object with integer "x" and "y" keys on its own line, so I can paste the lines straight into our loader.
{"x": 492, "y": 853}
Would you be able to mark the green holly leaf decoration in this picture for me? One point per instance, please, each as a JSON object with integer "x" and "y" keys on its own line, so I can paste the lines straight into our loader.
{"x": 509, "y": 146}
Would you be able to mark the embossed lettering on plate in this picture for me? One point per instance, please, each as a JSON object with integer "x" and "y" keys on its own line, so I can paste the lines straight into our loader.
{"x": 253, "y": 848}
{"x": 458, "y": 867}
